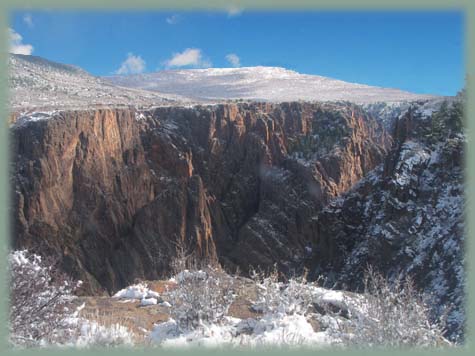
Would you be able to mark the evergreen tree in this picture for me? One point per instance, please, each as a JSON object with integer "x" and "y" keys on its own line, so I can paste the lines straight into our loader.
{"x": 455, "y": 117}
{"x": 438, "y": 127}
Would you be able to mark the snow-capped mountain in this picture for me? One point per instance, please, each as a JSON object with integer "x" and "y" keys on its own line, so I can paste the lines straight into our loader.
{"x": 39, "y": 84}
{"x": 36, "y": 83}
{"x": 259, "y": 83}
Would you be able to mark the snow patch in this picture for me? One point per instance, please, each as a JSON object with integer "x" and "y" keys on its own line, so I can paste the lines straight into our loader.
{"x": 273, "y": 330}
{"x": 137, "y": 291}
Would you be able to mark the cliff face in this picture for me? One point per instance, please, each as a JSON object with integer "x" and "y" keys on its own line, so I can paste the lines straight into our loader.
{"x": 405, "y": 217}
{"x": 114, "y": 191}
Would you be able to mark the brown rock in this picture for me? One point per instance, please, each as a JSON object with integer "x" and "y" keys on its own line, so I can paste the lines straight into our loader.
{"x": 113, "y": 195}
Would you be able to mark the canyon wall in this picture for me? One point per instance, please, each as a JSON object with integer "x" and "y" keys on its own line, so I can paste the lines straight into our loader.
{"x": 405, "y": 218}
{"x": 113, "y": 192}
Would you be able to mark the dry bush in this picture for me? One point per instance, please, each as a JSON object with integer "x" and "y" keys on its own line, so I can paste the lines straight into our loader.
{"x": 104, "y": 330}
{"x": 201, "y": 297}
{"x": 109, "y": 330}
{"x": 42, "y": 312}
{"x": 203, "y": 294}
{"x": 268, "y": 290}
{"x": 393, "y": 315}
{"x": 187, "y": 259}
{"x": 293, "y": 297}
{"x": 40, "y": 308}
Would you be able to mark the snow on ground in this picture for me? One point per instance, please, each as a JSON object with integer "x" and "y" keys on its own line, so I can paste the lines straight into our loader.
{"x": 148, "y": 301}
{"x": 259, "y": 83}
{"x": 284, "y": 320}
{"x": 140, "y": 292}
{"x": 43, "y": 313}
{"x": 34, "y": 116}
{"x": 92, "y": 334}
{"x": 426, "y": 110}
{"x": 35, "y": 82}
{"x": 273, "y": 330}
{"x": 136, "y": 291}
{"x": 298, "y": 314}
{"x": 38, "y": 87}
{"x": 412, "y": 154}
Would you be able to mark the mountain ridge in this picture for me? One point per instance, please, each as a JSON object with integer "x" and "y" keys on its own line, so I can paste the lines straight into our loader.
{"x": 41, "y": 84}
{"x": 38, "y": 83}
{"x": 275, "y": 84}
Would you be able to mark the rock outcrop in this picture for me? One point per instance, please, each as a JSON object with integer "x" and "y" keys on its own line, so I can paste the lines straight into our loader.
{"x": 406, "y": 217}
{"x": 114, "y": 191}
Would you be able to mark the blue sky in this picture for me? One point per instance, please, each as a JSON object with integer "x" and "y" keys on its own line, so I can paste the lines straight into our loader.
{"x": 421, "y": 52}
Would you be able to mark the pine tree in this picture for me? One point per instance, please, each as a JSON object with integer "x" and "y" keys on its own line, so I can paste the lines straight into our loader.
{"x": 438, "y": 127}
{"x": 455, "y": 117}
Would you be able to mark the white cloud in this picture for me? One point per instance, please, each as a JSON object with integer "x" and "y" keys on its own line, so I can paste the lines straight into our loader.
{"x": 132, "y": 65}
{"x": 233, "y": 59}
{"x": 173, "y": 19}
{"x": 233, "y": 11}
{"x": 28, "y": 20}
{"x": 190, "y": 57}
{"x": 16, "y": 43}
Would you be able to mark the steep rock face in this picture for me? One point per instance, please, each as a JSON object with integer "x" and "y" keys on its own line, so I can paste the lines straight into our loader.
{"x": 115, "y": 191}
{"x": 405, "y": 217}
{"x": 75, "y": 187}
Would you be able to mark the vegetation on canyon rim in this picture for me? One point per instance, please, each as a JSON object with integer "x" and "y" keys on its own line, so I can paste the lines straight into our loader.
{"x": 388, "y": 314}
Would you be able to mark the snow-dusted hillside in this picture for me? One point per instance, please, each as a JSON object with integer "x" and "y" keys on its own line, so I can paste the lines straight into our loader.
{"x": 37, "y": 83}
{"x": 259, "y": 83}
{"x": 406, "y": 216}
{"x": 388, "y": 112}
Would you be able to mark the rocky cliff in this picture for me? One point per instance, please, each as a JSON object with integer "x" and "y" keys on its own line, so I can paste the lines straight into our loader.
{"x": 114, "y": 191}
{"x": 405, "y": 217}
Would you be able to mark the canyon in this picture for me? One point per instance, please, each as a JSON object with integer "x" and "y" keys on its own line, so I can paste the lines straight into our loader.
{"x": 115, "y": 180}
{"x": 114, "y": 191}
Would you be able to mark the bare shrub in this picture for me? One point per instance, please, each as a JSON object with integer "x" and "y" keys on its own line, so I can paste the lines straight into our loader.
{"x": 204, "y": 291}
{"x": 268, "y": 290}
{"x": 42, "y": 312}
{"x": 40, "y": 301}
{"x": 187, "y": 259}
{"x": 101, "y": 328}
{"x": 183, "y": 260}
{"x": 201, "y": 296}
{"x": 273, "y": 296}
{"x": 103, "y": 334}
{"x": 392, "y": 315}
{"x": 298, "y": 296}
